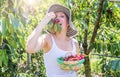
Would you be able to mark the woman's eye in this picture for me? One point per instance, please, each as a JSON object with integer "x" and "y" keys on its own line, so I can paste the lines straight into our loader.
{"x": 62, "y": 16}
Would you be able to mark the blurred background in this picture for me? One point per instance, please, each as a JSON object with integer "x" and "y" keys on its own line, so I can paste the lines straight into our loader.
{"x": 98, "y": 24}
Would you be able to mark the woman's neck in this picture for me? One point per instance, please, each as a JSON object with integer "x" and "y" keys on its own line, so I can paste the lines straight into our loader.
{"x": 61, "y": 37}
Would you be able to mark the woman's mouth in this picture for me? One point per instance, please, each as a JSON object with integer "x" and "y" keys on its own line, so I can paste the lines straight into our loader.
{"x": 56, "y": 21}
{"x": 60, "y": 23}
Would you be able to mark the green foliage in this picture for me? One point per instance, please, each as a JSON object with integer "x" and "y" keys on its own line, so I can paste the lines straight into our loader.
{"x": 38, "y": 65}
{"x": 19, "y": 18}
{"x": 3, "y": 31}
{"x": 105, "y": 66}
{"x": 3, "y": 58}
{"x": 96, "y": 66}
{"x": 84, "y": 14}
{"x": 52, "y": 28}
{"x": 112, "y": 68}
{"x": 112, "y": 49}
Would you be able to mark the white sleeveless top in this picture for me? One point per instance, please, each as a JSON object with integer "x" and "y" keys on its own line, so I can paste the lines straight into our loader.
{"x": 51, "y": 65}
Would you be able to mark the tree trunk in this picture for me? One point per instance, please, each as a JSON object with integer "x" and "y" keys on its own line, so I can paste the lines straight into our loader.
{"x": 87, "y": 67}
{"x": 88, "y": 49}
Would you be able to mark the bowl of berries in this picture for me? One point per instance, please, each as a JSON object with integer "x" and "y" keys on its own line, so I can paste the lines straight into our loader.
{"x": 71, "y": 62}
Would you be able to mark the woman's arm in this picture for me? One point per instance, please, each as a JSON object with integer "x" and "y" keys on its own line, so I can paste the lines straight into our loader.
{"x": 77, "y": 46}
{"x": 35, "y": 40}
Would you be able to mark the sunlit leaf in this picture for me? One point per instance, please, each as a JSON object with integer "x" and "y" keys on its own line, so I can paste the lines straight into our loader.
{"x": 1, "y": 39}
{"x": 114, "y": 65}
{"x": 98, "y": 47}
{"x": 105, "y": 4}
{"x": 3, "y": 57}
{"x": 14, "y": 21}
{"x": 1, "y": 2}
{"x": 85, "y": 24}
{"x": 104, "y": 48}
{"x": 3, "y": 27}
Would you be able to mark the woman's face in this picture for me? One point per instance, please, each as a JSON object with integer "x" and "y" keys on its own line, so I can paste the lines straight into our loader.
{"x": 63, "y": 19}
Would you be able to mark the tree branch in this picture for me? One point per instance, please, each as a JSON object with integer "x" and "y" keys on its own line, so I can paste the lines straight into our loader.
{"x": 85, "y": 45}
{"x": 96, "y": 25}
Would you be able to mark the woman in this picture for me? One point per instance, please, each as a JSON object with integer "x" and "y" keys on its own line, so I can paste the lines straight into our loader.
{"x": 55, "y": 44}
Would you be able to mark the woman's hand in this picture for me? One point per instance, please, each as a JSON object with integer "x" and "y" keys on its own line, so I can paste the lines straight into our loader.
{"x": 49, "y": 16}
{"x": 76, "y": 70}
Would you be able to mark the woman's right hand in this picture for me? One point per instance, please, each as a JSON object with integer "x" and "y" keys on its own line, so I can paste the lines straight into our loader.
{"x": 49, "y": 16}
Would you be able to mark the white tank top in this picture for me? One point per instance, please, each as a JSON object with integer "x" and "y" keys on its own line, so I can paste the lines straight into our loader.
{"x": 51, "y": 65}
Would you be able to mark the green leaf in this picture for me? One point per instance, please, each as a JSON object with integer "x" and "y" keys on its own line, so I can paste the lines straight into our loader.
{"x": 3, "y": 27}
{"x": 17, "y": 40}
{"x": 108, "y": 47}
{"x": 118, "y": 5}
{"x": 119, "y": 47}
{"x": 14, "y": 21}
{"x": 58, "y": 26}
{"x": 3, "y": 57}
{"x": 118, "y": 66}
{"x": 1, "y": 2}
{"x": 52, "y": 28}
{"x": 1, "y": 39}
{"x": 111, "y": 49}
{"x": 84, "y": 23}
{"x": 114, "y": 65}
{"x": 105, "y": 4}
{"x": 104, "y": 48}
{"x": 98, "y": 47}
{"x": 93, "y": 46}
{"x": 23, "y": 21}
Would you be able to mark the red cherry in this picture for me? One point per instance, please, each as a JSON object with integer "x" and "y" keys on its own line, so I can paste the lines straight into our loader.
{"x": 71, "y": 56}
{"x": 74, "y": 59}
{"x": 56, "y": 21}
{"x": 66, "y": 59}
{"x": 79, "y": 58}
{"x": 82, "y": 56}
{"x": 76, "y": 55}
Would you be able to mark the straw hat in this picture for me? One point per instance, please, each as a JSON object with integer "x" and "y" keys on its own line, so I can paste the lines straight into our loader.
{"x": 59, "y": 8}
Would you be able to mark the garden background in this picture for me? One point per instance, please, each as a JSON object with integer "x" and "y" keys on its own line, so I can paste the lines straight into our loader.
{"x": 98, "y": 24}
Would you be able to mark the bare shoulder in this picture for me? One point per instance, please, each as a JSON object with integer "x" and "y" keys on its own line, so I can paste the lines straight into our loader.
{"x": 47, "y": 37}
{"x": 75, "y": 41}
